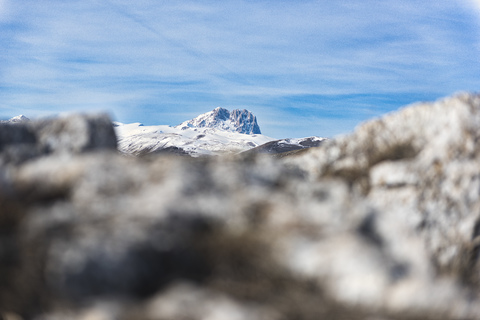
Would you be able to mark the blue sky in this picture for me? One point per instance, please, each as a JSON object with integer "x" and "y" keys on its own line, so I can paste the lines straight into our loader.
{"x": 303, "y": 67}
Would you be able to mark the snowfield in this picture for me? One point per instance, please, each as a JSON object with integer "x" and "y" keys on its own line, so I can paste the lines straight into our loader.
{"x": 216, "y": 132}
{"x": 138, "y": 139}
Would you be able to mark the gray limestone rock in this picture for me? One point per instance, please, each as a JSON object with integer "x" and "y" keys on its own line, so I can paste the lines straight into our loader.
{"x": 420, "y": 164}
{"x": 76, "y": 133}
{"x": 24, "y": 140}
{"x": 381, "y": 224}
{"x": 242, "y": 121}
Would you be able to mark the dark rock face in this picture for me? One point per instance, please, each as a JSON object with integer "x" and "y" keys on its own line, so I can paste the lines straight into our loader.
{"x": 245, "y": 121}
{"x": 74, "y": 134}
{"x": 16, "y": 135}
{"x": 381, "y": 224}
{"x": 221, "y": 114}
{"x": 241, "y": 121}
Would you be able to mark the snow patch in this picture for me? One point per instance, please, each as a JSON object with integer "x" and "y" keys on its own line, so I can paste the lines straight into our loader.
{"x": 136, "y": 139}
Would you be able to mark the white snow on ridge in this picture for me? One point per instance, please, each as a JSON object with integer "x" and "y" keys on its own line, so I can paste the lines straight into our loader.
{"x": 213, "y": 133}
{"x": 135, "y": 139}
{"x": 241, "y": 121}
{"x": 16, "y": 119}
{"x": 298, "y": 141}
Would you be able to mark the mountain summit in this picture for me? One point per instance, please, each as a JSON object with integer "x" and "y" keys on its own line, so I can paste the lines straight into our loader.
{"x": 17, "y": 119}
{"x": 241, "y": 121}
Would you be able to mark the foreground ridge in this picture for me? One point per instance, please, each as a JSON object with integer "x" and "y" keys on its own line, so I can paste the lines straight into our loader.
{"x": 382, "y": 223}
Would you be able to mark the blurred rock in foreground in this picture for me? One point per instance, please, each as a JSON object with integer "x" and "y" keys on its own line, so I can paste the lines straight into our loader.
{"x": 381, "y": 224}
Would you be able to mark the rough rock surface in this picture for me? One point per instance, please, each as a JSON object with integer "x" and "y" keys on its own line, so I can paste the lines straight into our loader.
{"x": 381, "y": 224}
{"x": 421, "y": 164}
{"x": 241, "y": 121}
{"x": 70, "y": 134}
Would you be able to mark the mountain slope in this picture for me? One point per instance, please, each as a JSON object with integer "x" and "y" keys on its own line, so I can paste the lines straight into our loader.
{"x": 286, "y": 145}
{"x": 241, "y": 121}
{"x": 213, "y": 133}
{"x": 17, "y": 119}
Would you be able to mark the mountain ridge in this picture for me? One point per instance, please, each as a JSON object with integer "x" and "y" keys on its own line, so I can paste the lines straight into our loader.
{"x": 216, "y": 132}
{"x": 241, "y": 121}
{"x": 284, "y": 146}
{"x": 16, "y": 119}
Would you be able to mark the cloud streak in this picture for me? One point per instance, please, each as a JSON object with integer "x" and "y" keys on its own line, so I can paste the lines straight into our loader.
{"x": 312, "y": 62}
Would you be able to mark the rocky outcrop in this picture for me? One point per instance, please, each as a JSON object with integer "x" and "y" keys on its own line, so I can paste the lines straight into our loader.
{"x": 422, "y": 165}
{"x": 241, "y": 121}
{"x": 245, "y": 121}
{"x": 70, "y": 134}
{"x": 383, "y": 223}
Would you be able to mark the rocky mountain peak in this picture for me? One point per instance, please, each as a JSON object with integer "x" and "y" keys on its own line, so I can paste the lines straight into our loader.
{"x": 241, "y": 121}
{"x": 221, "y": 114}
{"x": 16, "y": 119}
{"x": 245, "y": 121}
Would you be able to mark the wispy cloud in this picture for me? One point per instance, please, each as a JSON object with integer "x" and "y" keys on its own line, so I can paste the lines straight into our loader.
{"x": 325, "y": 64}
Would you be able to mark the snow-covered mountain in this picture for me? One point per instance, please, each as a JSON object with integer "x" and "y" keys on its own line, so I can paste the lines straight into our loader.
{"x": 213, "y": 133}
{"x": 17, "y": 119}
{"x": 217, "y": 132}
{"x": 241, "y": 121}
{"x": 287, "y": 145}
{"x": 138, "y": 139}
